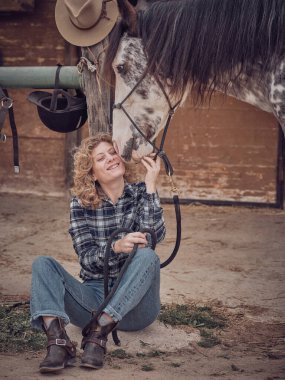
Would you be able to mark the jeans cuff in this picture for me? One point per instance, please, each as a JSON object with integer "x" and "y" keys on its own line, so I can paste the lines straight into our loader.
{"x": 36, "y": 320}
{"x": 113, "y": 314}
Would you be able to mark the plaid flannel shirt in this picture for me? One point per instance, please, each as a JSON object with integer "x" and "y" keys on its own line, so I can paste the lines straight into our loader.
{"x": 90, "y": 228}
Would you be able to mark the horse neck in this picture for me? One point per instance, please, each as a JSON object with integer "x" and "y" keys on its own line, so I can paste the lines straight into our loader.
{"x": 249, "y": 89}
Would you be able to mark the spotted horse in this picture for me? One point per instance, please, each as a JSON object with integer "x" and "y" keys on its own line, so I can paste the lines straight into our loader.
{"x": 172, "y": 49}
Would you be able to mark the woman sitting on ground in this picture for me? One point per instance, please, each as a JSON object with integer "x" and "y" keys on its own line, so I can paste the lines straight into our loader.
{"x": 103, "y": 202}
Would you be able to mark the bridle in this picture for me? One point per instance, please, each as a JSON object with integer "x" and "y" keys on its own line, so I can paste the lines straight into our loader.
{"x": 172, "y": 108}
{"x": 159, "y": 152}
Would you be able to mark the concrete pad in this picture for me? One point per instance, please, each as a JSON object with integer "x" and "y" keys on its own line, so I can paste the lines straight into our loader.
{"x": 155, "y": 337}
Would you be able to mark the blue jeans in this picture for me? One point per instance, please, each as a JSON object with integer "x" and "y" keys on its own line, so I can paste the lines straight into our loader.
{"x": 135, "y": 304}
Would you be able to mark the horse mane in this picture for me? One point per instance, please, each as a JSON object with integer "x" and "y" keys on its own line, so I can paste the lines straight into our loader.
{"x": 202, "y": 42}
{"x": 115, "y": 38}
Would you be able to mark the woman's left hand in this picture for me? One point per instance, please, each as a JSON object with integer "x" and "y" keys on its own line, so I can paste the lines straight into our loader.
{"x": 152, "y": 171}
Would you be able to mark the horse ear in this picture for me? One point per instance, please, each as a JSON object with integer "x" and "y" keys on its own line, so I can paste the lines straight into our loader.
{"x": 129, "y": 15}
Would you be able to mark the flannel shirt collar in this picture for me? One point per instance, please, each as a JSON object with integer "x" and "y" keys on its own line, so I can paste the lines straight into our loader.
{"x": 128, "y": 192}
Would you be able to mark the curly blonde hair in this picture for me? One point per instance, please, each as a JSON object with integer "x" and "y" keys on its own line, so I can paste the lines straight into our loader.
{"x": 84, "y": 186}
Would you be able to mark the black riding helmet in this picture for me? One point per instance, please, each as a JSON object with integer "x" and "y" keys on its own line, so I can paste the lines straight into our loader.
{"x": 60, "y": 111}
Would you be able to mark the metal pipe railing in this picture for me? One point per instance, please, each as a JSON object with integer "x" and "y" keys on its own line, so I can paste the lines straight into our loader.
{"x": 39, "y": 77}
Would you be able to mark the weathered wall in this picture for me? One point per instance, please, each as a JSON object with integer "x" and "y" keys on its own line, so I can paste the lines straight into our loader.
{"x": 227, "y": 152}
{"x": 32, "y": 39}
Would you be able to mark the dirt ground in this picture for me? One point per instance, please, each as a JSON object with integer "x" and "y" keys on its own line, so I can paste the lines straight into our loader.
{"x": 230, "y": 257}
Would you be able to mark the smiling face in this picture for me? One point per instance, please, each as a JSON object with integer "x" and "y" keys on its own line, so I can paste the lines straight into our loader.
{"x": 147, "y": 105}
{"x": 107, "y": 164}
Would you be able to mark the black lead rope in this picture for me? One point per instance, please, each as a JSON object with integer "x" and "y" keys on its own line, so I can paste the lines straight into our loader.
{"x": 109, "y": 294}
{"x": 7, "y": 107}
{"x": 178, "y": 232}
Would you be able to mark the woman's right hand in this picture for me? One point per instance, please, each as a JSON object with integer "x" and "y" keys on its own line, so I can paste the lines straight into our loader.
{"x": 126, "y": 244}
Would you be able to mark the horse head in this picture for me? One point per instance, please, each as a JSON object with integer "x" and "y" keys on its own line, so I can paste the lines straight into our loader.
{"x": 141, "y": 104}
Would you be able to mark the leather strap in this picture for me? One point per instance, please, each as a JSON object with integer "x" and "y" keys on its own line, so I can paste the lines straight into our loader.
{"x": 93, "y": 339}
{"x": 7, "y": 106}
{"x": 53, "y": 103}
{"x": 66, "y": 344}
{"x": 4, "y": 107}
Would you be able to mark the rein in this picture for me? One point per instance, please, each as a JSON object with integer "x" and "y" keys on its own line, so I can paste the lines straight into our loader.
{"x": 169, "y": 171}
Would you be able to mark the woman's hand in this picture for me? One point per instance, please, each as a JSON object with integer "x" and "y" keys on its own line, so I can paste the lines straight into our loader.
{"x": 126, "y": 244}
{"x": 152, "y": 171}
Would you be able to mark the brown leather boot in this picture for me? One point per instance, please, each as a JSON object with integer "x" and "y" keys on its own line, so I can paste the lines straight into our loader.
{"x": 61, "y": 351}
{"x": 94, "y": 346}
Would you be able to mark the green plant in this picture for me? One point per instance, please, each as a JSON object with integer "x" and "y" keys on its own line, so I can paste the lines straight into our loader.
{"x": 120, "y": 354}
{"x": 202, "y": 317}
{"x": 208, "y": 339}
{"x": 16, "y": 334}
{"x": 196, "y": 316}
{"x": 147, "y": 367}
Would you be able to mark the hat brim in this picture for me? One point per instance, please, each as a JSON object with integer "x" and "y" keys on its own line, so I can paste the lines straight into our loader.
{"x": 64, "y": 102}
{"x": 85, "y": 37}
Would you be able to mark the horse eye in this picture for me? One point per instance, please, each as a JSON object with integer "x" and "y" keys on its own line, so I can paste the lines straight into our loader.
{"x": 122, "y": 69}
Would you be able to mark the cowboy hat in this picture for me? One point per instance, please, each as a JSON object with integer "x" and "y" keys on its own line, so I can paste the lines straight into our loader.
{"x": 85, "y": 22}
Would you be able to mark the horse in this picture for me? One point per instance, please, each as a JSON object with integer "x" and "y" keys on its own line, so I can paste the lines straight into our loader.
{"x": 172, "y": 49}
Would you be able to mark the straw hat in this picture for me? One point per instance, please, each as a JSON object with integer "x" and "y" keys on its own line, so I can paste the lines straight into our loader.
{"x": 85, "y": 22}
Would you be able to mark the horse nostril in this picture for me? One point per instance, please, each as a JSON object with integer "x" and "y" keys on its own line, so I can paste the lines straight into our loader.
{"x": 148, "y": 132}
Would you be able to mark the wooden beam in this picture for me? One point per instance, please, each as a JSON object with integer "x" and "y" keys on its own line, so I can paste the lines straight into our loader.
{"x": 97, "y": 89}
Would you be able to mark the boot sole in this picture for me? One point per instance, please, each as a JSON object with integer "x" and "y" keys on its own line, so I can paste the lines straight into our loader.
{"x": 48, "y": 369}
{"x": 93, "y": 366}
{"x": 70, "y": 362}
